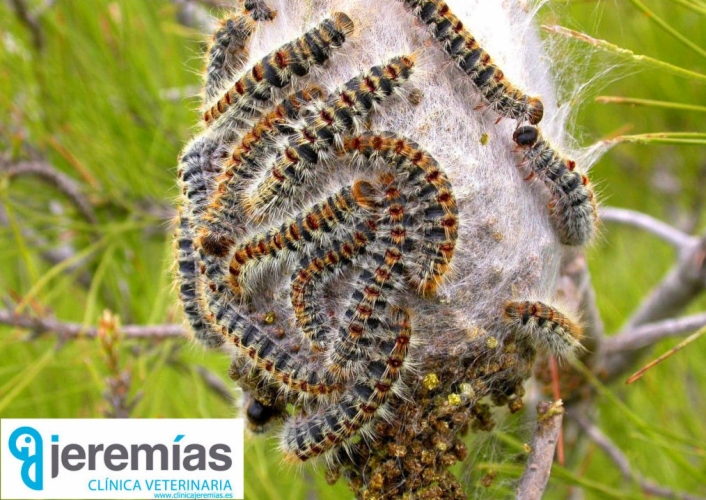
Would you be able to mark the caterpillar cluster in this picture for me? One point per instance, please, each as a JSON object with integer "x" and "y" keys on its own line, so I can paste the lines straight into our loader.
{"x": 316, "y": 286}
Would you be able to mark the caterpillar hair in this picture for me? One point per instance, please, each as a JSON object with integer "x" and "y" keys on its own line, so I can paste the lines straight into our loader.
{"x": 277, "y": 69}
{"x": 460, "y": 45}
{"x": 545, "y": 326}
{"x": 573, "y": 205}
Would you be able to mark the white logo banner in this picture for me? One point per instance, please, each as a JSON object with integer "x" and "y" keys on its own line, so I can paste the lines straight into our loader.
{"x": 121, "y": 458}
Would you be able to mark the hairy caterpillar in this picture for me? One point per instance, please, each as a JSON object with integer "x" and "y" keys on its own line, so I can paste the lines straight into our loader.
{"x": 573, "y": 205}
{"x": 458, "y": 43}
{"x": 223, "y": 212}
{"x": 227, "y": 49}
{"x": 306, "y": 230}
{"x": 545, "y": 326}
{"x": 305, "y": 437}
{"x": 319, "y": 133}
{"x": 276, "y": 70}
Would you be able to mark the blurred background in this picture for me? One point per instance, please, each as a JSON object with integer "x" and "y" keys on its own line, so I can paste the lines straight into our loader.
{"x": 96, "y": 101}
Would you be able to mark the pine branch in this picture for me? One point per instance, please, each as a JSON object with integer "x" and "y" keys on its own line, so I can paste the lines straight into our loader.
{"x": 539, "y": 464}
{"x": 30, "y": 21}
{"x": 656, "y": 317}
{"x": 575, "y": 288}
{"x": 623, "y": 463}
{"x": 67, "y": 330}
{"x": 52, "y": 176}
{"x": 682, "y": 285}
{"x": 647, "y": 335}
{"x": 670, "y": 234}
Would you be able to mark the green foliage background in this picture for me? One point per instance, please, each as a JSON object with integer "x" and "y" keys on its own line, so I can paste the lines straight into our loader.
{"x": 92, "y": 102}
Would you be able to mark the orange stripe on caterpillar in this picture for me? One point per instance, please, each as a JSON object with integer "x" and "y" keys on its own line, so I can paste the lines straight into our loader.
{"x": 316, "y": 272}
{"x": 223, "y": 213}
{"x": 276, "y": 70}
{"x": 303, "y": 231}
{"x": 429, "y": 260}
{"x": 308, "y": 436}
{"x": 321, "y": 132}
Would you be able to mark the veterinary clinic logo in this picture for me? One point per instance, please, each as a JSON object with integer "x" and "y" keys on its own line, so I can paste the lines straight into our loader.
{"x": 30, "y": 453}
{"x": 84, "y": 458}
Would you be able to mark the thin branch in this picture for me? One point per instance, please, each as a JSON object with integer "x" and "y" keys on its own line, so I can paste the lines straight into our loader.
{"x": 73, "y": 330}
{"x": 682, "y": 285}
{"x": 60, "y": 181}
{"x": 216, "y": 384}
{"x": 539, "y": 464}
{"x": 210, "y": 379}
{"x": 651, "y": 333}
{"x": 575, "y": 292}
{"x": 623, "y": 463}
{"x": 52, "y": 255}
{"x": 660, "y": 229}
{"x": 630, "y": 101}
{"x": 120, "y": 404}
{"x": 30, "y": 21}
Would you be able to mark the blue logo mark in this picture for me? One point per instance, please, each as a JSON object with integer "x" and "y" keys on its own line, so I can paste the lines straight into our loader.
{"x": 21, "y": 449}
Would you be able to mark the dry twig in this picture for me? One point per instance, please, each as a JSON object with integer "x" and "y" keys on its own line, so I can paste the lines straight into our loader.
{"x": 623, "y": 463}
{"x": 119, "y": 380}
{"x": 654, "y": 318}
{"x": 30, "y": 21}
{"x": 660, "y": 229}
{"x": 647, "y": 335}
{"x": 72, "y": 330}
{"x": 612, "y": 356}
{"x": 539, "y": 464}
{"x": 60, "y": 181}
{"x": 215, "y": 383}
{"x": 575, "y": 288}
{"x": 210, "y": 379}
{"x": 684, "y": 283}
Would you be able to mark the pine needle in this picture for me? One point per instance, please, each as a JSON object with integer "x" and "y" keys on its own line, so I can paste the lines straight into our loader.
{"x": 668, "y": 28}
{"x": 638, "y": 374}
{"x": 650, "y": 102}
{"x": 614, "y": 49}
